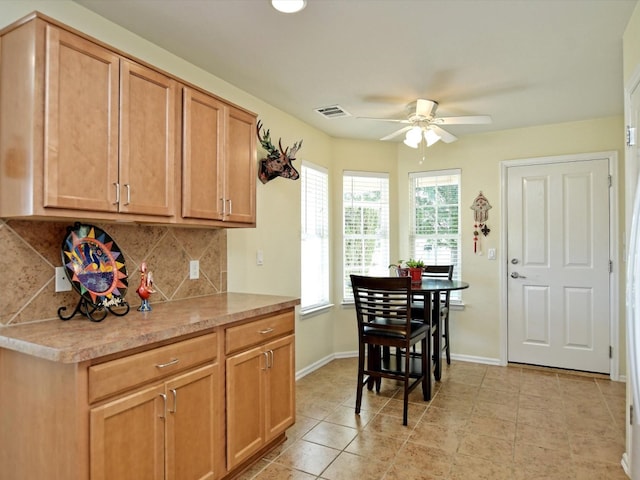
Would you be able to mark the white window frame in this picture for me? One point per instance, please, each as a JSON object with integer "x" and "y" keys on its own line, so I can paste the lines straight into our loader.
{"x": 443, "y": 256}
{"x": 315, "y": 238}
{"x": 356, "y": 181}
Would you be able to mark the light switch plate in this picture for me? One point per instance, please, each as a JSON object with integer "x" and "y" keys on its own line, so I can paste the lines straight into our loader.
{"x": 62, "y": 282}
{"x": 194, "y": 270}
{"x": 491, "y": 254}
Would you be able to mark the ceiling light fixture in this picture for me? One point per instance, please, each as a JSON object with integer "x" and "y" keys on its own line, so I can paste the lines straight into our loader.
{"x": 289, "y": 6}
{"x": 414, "y": 136}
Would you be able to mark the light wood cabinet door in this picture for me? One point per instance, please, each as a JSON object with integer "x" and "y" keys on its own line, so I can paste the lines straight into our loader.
{"x": 240, "y": 167}
{"x": 202, "y": 155}
{"x": 245, "y": 404}
{"x": 127, "y": 437}
{"x": 191, "y": 425}
{"x": 260, "y": 397}
{"x": 80, "y": 124}
{"x": 280, "y": 396}
{"x": 147, "y": 140}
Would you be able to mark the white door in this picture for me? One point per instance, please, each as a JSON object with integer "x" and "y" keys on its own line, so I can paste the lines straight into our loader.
{"x": 558, "y": 270}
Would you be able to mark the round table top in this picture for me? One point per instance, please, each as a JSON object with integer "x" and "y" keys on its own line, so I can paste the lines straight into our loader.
{"x": 430, "y": 284}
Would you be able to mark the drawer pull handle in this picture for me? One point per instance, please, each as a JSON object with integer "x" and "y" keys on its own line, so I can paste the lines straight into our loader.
{"x": 168, "y": 364}
{"x": 266, "y": 330}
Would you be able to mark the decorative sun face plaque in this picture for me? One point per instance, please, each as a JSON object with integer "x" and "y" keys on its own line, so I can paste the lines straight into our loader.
{"x": 95, "y": 265}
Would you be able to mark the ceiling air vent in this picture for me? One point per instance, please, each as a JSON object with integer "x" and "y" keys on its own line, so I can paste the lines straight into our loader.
{"x": 333, "y": 111}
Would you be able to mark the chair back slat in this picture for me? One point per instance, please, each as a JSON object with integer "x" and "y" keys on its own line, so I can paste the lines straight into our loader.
{"x": 438, "y": 271}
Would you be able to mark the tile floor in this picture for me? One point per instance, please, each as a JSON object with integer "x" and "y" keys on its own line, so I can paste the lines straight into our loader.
{"x": 483, "y": 422}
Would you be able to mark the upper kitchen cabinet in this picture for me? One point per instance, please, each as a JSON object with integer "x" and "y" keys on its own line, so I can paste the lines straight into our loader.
{"x": 218, "y": 161}
{"x": 84, "y": 131}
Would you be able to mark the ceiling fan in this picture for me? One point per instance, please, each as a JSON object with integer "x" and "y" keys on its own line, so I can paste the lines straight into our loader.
{"x": 423, "y": 123}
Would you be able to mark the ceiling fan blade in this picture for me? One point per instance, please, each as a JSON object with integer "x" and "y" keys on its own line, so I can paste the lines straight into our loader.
{"x": 445, "y": 136}
{"x": 463, "y": 120}
{"x": 397, "y": 132}
{"x": 395, "y": 120}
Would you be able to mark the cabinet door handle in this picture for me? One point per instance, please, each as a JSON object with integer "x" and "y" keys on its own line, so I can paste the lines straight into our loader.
{"x": 169, "y": 363}
{"x": 223, "y": 205}
{"x": 175, "y": 401}
{"x": 265, "y": 331}
{"x": 164, "y": 406}
{"x": 117, "y": 185}
{"x": 266, "y": 360}
{"x": 230, "y": 207}
{"x": 271, "y": 358}
{"x": 128, "y": 187}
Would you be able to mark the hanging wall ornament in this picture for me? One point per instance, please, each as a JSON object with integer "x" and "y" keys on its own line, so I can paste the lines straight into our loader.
{"x": 480, "y": 207}
{"x": 278, "y": 161}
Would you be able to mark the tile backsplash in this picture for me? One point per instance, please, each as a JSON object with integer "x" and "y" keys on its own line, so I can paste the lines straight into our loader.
{"x": 32, "y": 249}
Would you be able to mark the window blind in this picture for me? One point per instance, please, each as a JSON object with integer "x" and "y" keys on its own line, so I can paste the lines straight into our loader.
{"x": 435, "y": 214}
{"x": 365, "y": 226}
{"x": 315, "y": 237}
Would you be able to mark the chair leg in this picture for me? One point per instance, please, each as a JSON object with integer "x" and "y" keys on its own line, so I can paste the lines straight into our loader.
{"x": 407, "y": 379}
{"x": 426, "y": 369}
{"x": 446, "y": 339}
{"x": 361, "y": 355}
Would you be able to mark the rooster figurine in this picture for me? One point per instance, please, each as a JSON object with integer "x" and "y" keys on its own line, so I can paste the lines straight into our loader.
{"x": 145, "y": 289}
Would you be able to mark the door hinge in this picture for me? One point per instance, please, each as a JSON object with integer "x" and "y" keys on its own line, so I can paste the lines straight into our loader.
{"x": 610, "y": 351}
{"x": 610, "y": 266}
{"x": 610, "y": 181}
{"x": 631, "y": 136}
{"x": 630, "y": 414}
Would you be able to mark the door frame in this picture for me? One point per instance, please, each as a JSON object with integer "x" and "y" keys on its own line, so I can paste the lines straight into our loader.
{"x": 614, "y": 277}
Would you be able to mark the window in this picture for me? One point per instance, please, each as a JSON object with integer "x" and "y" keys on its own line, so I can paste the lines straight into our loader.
{"x": 315, "y": 237}
{"x": 365, "y": 214}
{"x": 435, "y": 219}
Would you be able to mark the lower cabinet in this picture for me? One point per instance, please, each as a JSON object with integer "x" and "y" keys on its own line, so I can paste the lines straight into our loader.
{"x": 201, "y": 408}
{"x": 165, "y": 431}
{"x": 260, "y": 397}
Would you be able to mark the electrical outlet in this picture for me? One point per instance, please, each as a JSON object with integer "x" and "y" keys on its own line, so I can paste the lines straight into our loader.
{"x": 194, "y": 270}
{"x": 62, "y": 282}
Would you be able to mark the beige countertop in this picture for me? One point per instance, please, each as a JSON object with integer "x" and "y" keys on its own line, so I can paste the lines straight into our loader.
{"x": 80, "y": 339}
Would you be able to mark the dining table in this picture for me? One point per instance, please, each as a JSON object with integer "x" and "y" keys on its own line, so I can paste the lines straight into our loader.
{"x": 430, "y": 289}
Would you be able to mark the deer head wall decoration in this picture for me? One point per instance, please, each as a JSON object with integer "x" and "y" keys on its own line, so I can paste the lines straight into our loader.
{"x": 278, "y": 162}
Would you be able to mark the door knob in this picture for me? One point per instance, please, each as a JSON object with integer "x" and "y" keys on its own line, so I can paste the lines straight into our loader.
{"x": 517, "y": 275}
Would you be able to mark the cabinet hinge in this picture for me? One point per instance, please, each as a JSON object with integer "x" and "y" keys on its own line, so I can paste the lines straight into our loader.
{"x": 610, "y": 351}
{"x": 631, "y": 136}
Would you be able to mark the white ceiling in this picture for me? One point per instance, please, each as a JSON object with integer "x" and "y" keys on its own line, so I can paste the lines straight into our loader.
{"x": 524, "y": 62}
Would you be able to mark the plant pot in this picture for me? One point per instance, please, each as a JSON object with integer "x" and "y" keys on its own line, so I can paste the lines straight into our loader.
{"x": 416, "y": 275}
{"x": 403, "y": 272}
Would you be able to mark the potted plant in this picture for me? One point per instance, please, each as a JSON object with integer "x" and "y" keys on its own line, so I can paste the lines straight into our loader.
{"x": 415, "y": 269}
{"x": 412, "y": 268}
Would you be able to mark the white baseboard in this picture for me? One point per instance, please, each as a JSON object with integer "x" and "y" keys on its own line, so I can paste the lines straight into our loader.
{"x": 323, "y": 361}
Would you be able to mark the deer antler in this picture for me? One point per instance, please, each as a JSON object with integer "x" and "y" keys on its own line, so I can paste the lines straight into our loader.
{"x": 291, "y": 154}
{"x": 265, "y": 141}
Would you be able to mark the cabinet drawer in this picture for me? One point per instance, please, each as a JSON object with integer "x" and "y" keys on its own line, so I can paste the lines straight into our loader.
{"x": 258, "y": 331}
{"x": 125, "y": 373}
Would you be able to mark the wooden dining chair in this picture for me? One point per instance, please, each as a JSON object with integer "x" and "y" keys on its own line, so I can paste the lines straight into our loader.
{"x": 417, "y": 307}
{"x": 383, "y": 311}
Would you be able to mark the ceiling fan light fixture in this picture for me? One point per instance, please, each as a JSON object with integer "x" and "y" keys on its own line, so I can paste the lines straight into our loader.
{"x": 431, "y": 137}
{"x": 413, "y": 137}
{"x": 289, "y": 6}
